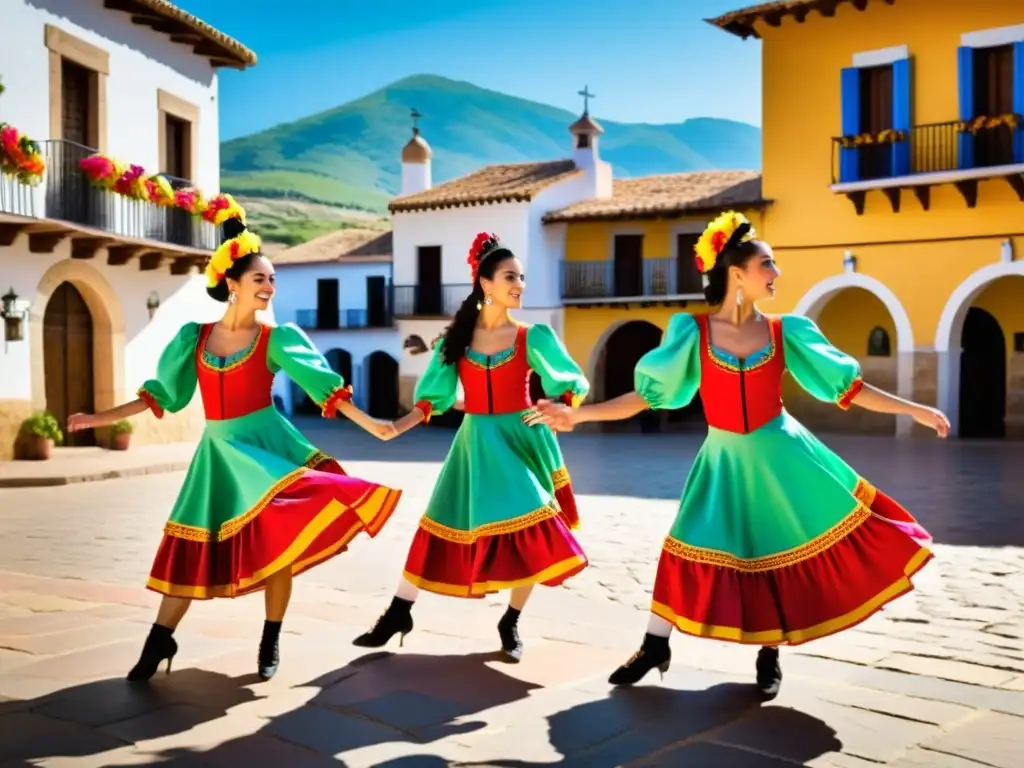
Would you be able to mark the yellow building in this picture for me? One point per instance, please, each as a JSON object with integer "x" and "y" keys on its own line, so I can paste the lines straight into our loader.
{"x": 894, "y": 158}
{"x": 629, "y": 266}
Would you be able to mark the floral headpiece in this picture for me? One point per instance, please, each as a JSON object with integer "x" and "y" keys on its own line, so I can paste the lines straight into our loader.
{"x": 218, "y": 211}
{"x": 718, "y": 234}
{"x": 485, "y": 243}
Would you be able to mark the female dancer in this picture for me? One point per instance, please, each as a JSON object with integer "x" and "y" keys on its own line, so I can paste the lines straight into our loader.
{"x": 777, "y": 540}
{"x": 259, "y": 504}
{"x": 500, "y": 515}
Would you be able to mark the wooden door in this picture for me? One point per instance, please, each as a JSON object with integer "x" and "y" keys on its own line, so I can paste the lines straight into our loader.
{"x": 328, "y": 303}
{"x": 75, "y": 118}
{"x": 993, "y": 96}
{"x": 377, "y": 301}
{"x": 176, "y": 138}
{"x": 629, "y": 265}
{"x": 876, "y": 105}
{"x": 688, "y": 279}
{"x": 428, "y": 280}
{"x": 68, "y": 359}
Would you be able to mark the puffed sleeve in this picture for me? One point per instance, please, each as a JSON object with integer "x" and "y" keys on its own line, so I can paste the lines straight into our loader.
{"x": 435, "y": 391}
{"x": 559, "y": 375}
{"x": 175, "y": 382}
{"x": 668, "y": 376}
{"x": 823, "y": 371}
{"x": 292, "y": 351}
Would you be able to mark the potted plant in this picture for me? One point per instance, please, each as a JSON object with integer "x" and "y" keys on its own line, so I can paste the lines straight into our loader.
{"x": 120, "y": 435}
{"x": 40, "y": 433}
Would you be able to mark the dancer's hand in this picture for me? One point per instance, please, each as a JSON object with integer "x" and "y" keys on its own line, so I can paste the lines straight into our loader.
{"x": 384, "y": 430}
{"x": 558, "y": 416}
{"x": 932, "y": 418}
{"x": 79, "y": 421}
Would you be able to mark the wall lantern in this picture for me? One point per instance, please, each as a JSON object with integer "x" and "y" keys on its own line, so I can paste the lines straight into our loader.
{"x": 849, "y": 262}
{"x": 1006, "y": 250}
{"x": 153, "y": 303}
{"x": 14, "y": 317}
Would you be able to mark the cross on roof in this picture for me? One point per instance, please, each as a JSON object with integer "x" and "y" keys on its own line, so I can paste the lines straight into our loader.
{"x": 415, "y": 118}
{"x": 587, "y": 96}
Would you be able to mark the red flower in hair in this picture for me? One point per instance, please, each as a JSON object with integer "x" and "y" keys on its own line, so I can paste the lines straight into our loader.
{"x": 477, "y": 249}
{"x": 718, "y": 241}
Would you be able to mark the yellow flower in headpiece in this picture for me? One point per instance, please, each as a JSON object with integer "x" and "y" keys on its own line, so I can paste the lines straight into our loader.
{"x": 227, "y": 253}
{"x": 715, "y": 238}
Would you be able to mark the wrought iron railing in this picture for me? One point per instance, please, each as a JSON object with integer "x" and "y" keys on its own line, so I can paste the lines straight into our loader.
{"x": 652, "y": 277}
{"x": 429, "y": 300}
{"x": 312, "y": 319}
{"x": 70, "y": 196}
{"x": 929, "y": 148}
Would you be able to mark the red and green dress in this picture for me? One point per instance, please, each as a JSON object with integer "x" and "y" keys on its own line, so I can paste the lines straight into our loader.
{"x": 258, "y": 497}
{"x": 501, "y": 512}
{"x": 777, "y": 539}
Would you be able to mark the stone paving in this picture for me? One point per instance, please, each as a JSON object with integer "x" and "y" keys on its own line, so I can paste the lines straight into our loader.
{"x": 936, "y": 680}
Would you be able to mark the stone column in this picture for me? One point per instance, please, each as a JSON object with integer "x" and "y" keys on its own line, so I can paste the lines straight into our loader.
{"x": 926, "y": 384}
{"x": 1015, "y": 396}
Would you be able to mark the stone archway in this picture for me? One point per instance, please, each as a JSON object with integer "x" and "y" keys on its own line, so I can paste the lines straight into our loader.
{"x": 813, "y": 304}
{"x": 949, "y": 335}
{"x": 108, "y": 331}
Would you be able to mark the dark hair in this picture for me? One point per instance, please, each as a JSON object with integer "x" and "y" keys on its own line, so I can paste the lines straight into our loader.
{"x": 232, "y": 228}
{"x": 736, "y": 253}
{"x": 459, "y": 333}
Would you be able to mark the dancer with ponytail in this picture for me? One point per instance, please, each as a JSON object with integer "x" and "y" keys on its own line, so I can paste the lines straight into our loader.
{"x": 259, "y": 504}
{"x": 501, "y": 512}
{"x": 777, "y": 540}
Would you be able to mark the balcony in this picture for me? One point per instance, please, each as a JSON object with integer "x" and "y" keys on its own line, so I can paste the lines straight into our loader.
{"x": 653, "y": 279}
{"x": 66, "y": 205}
{"x": 348, "y": 319}
{"x": 957, "y": 152}
{"x": 429, "y": 300}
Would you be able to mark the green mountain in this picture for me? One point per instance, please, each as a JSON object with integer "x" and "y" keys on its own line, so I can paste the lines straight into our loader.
{"x": 350, "y": 156}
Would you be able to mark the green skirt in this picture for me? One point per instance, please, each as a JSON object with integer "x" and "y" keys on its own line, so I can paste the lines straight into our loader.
{"x": 258, "y": 498}
{"x": 500, "y": 515}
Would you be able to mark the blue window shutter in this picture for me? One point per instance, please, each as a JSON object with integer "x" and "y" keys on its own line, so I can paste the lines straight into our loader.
{"x": 1018, "y": 100}
{"x": 965, "y": 62}
{"x": 902, "y": 106}
{"x": 849, "y": 95}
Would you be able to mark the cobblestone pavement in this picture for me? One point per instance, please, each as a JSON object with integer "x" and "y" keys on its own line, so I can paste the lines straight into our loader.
{"x": 935, "y": 680}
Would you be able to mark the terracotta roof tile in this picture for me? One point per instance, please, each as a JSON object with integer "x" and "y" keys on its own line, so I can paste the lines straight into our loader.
{"x": 209, "y": 41}
{"x": 345, "y": 244}
{"x": 668, "y": 195}
{"x": 742, "y": 22}
{"x": 494, "y": 184}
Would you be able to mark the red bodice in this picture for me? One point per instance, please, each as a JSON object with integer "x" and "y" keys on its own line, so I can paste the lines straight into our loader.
{"x": 738, "y": 399}
{"x": 239, "y": 388}
{"x": 498, "y": 387}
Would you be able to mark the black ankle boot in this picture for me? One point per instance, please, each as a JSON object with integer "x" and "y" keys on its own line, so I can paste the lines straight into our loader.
{"x": 508, "y": 630}
{"x": 769, "y": 673}
{"x": 396, "y": 619}
{"x": 269, "y": 656}
{"x": 654, "y": 653}
{"x": 159, "y": 646}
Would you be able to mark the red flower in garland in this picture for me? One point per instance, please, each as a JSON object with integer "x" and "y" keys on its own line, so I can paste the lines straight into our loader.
{"x": 483, "y": 242}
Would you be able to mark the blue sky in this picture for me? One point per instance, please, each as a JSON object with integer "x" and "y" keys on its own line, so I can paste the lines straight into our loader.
{"x": 651, "y": 61}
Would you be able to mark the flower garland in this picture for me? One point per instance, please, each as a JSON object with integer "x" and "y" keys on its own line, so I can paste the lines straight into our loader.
{"x": 20, "y": 156}
{"x": 985, "y": 123}
{"x": 716, "y": 236}
{"x": 887, "y": 136}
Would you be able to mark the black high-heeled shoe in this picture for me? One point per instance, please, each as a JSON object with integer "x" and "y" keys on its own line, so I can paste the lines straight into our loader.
{"x": 160, "y": 646}
{"x": 508, "y": 631}
{"x": 396, "y": 619}
{"x": 769, "y": 673}
{"x": 655, "y": 653}
{"x": 269, "y": 656}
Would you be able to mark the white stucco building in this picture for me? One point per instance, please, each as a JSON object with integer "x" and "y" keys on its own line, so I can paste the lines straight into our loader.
{"x": 434, "y": 227}
{"x": 338, "y": 289}
{"x": 103, "y": 282}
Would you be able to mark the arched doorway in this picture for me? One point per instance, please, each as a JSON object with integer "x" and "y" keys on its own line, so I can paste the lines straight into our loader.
{"x": 68, "y": 360}
{"x": 341, "y": 361}
{"x": 982, "y": 404}
{"x": 383, "y": 382}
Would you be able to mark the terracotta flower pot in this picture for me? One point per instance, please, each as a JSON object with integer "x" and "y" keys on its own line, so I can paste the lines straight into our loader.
{"x": 120, "y": 441}
{"x": 37, "y": 448}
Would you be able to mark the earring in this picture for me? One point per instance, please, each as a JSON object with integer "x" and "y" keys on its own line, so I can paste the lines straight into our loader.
{"x": 232, "y": 297}
{"x": 739, "y": 297}
{"x": 488, "y": 301}
{"x": 479, "y": 306}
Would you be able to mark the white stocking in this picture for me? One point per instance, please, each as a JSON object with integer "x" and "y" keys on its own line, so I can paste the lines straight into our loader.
{"x": 658, "y": 627}
{"x": 407, "y": 591}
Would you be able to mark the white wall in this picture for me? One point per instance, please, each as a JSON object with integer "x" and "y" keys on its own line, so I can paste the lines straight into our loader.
{"x": 182, "y": 299}
{"x": 296, "y": 285}
{"x": 141, "y": 62}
